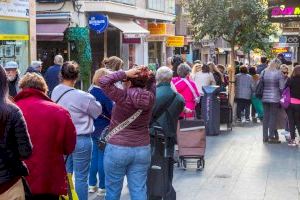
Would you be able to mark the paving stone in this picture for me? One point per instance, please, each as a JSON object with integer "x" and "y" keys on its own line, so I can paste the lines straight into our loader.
{"x": 239, "y": 166}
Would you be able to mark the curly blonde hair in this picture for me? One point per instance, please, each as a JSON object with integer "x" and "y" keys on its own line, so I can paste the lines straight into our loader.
{"x": 98, "y": 74}
{"x": 35, "y": 81}
{"x": 113, "y": 63}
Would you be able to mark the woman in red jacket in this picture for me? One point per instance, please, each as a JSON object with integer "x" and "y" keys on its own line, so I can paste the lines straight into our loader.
{"x": 52, "y": 134}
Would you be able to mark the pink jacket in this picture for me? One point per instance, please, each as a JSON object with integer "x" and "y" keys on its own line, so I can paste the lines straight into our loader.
{"x": 183, "y": 89}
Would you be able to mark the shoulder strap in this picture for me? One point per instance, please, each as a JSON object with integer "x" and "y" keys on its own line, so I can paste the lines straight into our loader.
{"x": 165, "y": 107}
{"x": 124, "y": 124}
{"x": 63, "y": 94}
{"x": 191, "y": 88}
{"x": 178, "y": 82}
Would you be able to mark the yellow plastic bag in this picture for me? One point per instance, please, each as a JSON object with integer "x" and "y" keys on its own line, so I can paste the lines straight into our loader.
{"x": 72, "y": 195}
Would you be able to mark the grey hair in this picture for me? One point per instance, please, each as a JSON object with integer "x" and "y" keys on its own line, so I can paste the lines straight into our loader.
{"x": 274, "y": 64}
{"x": 164, "y": 74}
{"x": 58, "y": 60}
{"x": 36, "y": 64}
{"x": 183, "y": 70}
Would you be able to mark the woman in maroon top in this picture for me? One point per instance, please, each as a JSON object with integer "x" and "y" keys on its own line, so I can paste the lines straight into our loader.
{"x": 128, "y": 152}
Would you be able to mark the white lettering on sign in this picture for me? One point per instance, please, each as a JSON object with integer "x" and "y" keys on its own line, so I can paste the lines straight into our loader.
{"x": 14, "y": 8}
{"x": 93, "y": 21}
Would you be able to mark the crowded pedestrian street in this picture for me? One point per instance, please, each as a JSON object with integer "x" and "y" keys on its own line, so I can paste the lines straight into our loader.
{"x": 240, "y": 167}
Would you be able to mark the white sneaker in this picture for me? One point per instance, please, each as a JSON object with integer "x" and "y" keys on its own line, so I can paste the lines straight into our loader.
{"x": 92, "y": 189}
{"x": 287, "y": 138}
{"x": 285, "y": 132}
{"x": 101, "y": 192}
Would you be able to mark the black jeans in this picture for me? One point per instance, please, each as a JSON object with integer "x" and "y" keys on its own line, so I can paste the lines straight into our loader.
{"x": 243, "y": 105}
{"x": 269, "y": 122}
{"x": 253, "y": 111}
{"x": 293, "y": 113}
{"x": 198, "y": 109}
{"x": 45, "y": 197}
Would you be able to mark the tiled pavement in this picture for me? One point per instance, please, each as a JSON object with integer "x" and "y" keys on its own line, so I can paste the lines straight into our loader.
{"x": 240, "y": 167}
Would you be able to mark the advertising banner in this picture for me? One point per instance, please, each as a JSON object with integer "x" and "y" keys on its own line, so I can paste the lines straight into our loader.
{"x": 14, "y": 8}
{"x": 284, "y": 10}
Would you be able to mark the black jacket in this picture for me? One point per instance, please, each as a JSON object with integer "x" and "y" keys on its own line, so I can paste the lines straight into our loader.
{"x": 294, "y": 84}
{"x": 15, "y": 145}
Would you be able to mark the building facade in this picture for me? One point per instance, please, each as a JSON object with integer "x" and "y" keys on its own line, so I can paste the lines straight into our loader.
{"x": 128, "y": 35}
{"x": 287, "y": 14}
{"x": 17, "y": 32}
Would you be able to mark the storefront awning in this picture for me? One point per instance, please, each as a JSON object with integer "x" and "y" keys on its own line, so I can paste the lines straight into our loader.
{"x": 129, "y": 28}
{"x": 51, "y": 32}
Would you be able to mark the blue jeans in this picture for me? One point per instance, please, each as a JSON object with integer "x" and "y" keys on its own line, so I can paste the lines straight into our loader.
{"x": 97, "y": 166}
{"x": 132, "y": 162}
{"x": 79, "y": 163}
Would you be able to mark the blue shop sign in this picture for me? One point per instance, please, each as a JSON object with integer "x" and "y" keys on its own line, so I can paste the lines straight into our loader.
{"x": 98, "y": 22}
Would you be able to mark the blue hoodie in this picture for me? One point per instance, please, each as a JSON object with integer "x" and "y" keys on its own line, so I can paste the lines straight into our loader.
{"x": 101, "y": 122}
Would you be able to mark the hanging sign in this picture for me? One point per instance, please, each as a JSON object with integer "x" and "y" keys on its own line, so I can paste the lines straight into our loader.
{"x": 13, "y": 37}
{"x": 14, "y": 8}
{"x": 175, "y": 41}
{"x": 98, "y": 22}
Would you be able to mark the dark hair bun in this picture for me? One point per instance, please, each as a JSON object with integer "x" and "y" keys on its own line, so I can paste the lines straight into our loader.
{"x": 70, "y": 70}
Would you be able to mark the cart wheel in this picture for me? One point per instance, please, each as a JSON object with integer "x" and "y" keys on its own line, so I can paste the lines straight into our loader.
{"x": 199, "y": 164}
{"x": 184, "y": 164}
{"x": 203, "y": 163}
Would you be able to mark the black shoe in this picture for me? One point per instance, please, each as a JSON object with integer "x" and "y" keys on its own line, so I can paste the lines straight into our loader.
{"x": 274, "y": 141}
{"x": 254, "y": 120}
{"x": 265, "y": 140}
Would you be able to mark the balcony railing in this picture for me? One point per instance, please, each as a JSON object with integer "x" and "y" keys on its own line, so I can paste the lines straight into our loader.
{"x": 128, "y": 2}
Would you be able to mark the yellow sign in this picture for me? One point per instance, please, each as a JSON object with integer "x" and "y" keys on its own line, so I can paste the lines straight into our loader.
{"x": 157, "y": 28}
{"x": 175, "y": 41}
{"x": 280, "y": 50}
{"x": 14, "y": 37}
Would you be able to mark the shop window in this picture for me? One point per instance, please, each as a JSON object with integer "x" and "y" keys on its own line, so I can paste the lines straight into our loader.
{"x": 162, "y": 5}
{"x": 14, "y": 45}
{"x": 154, "y": 51}
{"x": 13, "y": 27}
{"x": 158, "y": 5}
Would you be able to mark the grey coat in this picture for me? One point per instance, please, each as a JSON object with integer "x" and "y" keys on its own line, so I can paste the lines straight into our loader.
{"x": 273, "y": 86}
{"x": 244, "y": 86}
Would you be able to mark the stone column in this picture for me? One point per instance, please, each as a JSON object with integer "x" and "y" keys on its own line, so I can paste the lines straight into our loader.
{"x": 32, "y": 30}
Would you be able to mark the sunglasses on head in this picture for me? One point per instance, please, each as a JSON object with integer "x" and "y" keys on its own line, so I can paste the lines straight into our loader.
{"x": 285, "y": 72}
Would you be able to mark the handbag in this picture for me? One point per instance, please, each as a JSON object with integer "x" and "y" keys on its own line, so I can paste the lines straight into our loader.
{"x": 106, "y": 135}
{"x": 259, "y": 91}
{"x": 71, "y": 192}
{"x": 285, "y": 100}
{"x": 18, "y": 168}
